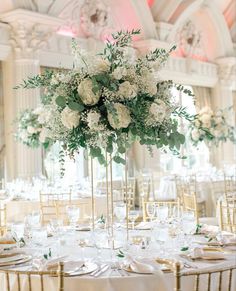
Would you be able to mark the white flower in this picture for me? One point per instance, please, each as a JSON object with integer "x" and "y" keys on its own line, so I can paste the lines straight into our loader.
{"x": 93, "y": 118}
{"x": 197, "y": 123}
{"x": 44, "y": 134}
{"x": 121, "y": 118}
{"x": 32, "y": 130}
{"x": 195, "y": 134}
{"x": 205, "y": 118}
{"x": 85, "y": 91}
{"x": 158, "y": 112}
{"x": 23, "y": 135}
{"x": 119, "y": 73}
{"x": 206, "y": 110}
{"x": 44, "y": 114}
{"x": 101, "y": 66}
{"x": 218, "y": 120}
{"x": 151, "y": 88}
{"x": 70, "y": 118}
{"x": 127, "y": 90}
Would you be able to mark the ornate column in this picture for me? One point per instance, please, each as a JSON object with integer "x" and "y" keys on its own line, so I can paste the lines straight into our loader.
{"x": 222, "y": 98}
{"x": 28, "y": 33}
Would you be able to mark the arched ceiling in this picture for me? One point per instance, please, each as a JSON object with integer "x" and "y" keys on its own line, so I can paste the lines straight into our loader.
{"x": 134, "y": 13}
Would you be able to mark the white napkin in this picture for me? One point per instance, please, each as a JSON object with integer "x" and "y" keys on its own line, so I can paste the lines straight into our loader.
{"x": 144, "y": 225}
{"x": 201, "y": 253}
{"x": 7, "y": 239}
{"x": 41, "y": 263}
{"x": 138, "y": 266}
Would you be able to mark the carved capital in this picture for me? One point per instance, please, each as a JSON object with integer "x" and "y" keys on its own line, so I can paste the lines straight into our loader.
{"x": 227, "y": 70}
{"x": 29, "y": 31}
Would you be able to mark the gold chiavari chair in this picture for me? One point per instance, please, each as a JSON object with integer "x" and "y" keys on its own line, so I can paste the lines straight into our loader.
{"x": 31, "y": 280}
{"x": 3, "y": 220}
{"x": 230, "y": 186}
{"x": 171, "y": 205}
{"x": 217, "y": 279}
{"x": 130, "y": 190}
{"x": 144, "y": 188}
{"x": 227, "y": 217}
{"x": 53, "y": 205}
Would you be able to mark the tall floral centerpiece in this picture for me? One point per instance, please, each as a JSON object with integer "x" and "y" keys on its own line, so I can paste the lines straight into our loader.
{"x": 106, "y": 102}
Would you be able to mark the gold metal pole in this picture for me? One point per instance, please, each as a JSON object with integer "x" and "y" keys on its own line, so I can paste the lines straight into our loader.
{"x": 92, "y": 197}
{"x": 107, "y": 192}
{"x": 126, "y": 198}
{"x": 112, "y": 206}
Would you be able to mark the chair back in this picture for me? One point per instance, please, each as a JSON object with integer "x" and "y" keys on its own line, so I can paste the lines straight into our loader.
{"x": 31, "y": 280}
{"x": 128, "y": 192}
{"x": 3, "y": 219}
{"x": 227, "y": 218}
{"x": 53, "y": 205}
{"x": 230, "y": 186}
{"x": 217, "y": 279}
{"x": 190, "y": 204}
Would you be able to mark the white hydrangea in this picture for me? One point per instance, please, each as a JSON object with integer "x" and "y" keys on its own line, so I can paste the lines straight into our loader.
{"x": 93, "y": 118}
{"x": 32, "y": 130}
{"x": 44, "y": 134}
{"x": 119, "y": 73}
{"x": 127, "y": 90}
{"x": 70, "y": 118}
{"x": 195, "y": 134}
{"x": 158, "y": 112}
{"x": 120, "y": 119}
{"x": 85, "y": 91}
{"x": 44, "y": 114}
{"x": 205, "y": 118}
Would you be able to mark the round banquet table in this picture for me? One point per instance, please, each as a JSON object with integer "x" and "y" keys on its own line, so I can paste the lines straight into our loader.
{"x": 67, "y": 244}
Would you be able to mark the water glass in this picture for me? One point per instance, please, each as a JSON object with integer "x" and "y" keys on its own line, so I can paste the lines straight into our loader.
{"x": 73, "y": 213}
{"x": 133, "y": 215}
{"x": 151, "y": 210}
{"x": 120, "y": 211}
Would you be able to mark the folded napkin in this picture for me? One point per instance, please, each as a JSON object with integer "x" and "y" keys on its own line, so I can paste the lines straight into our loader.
{"x": 227, "y": 240}
{"x": 138, "y": 266}
{"x": 41, "y": 263}
{"x": 7, "y": 239}
{"x": 200, "y": 253}
{"x": 144, "y": 225}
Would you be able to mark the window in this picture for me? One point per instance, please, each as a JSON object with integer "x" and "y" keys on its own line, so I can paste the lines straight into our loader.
{"x": 197, "y": 157}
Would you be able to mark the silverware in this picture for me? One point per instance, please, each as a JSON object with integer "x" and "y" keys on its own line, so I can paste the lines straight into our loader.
{"x": 97, "y": 270}
{"x": 103, "y": 270}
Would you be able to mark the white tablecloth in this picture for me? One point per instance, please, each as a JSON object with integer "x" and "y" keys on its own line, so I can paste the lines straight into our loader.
{"x": 113, "y": 281}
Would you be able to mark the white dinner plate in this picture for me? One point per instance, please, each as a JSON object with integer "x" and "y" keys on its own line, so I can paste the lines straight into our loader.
{"x": 24, "y": 259}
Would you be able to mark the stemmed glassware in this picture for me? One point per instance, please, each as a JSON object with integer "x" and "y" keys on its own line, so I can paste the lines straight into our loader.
{"x": 151, "y": 210}
{"x": 133, "y": 215}
{"x": 162, "y": 213}
{"x": 120, "y": 212}
{"x": 73, "y": 213}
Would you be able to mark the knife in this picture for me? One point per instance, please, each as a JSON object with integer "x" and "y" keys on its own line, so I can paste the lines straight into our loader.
{"x": 104, "y": 269}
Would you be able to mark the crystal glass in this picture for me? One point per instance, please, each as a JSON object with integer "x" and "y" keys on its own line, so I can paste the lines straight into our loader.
{"x": 151, "y": 210}
{"x": 17, "y": 231}
{"x": 73, "y": 213}
{"x": 162, "y": 213}
{"x": 120, "y": 211}
{"x": 56, "y": 225}
{"x": 82, "y": 243}
{"x": 133, "y": 215}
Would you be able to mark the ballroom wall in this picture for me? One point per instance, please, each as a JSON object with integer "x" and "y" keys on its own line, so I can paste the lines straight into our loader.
{"x": 39, "y": 33}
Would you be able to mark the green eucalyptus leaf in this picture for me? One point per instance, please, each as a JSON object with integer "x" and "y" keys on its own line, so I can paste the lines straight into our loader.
{"x": 61, "y": 101}
{"x": 76, "y": 106}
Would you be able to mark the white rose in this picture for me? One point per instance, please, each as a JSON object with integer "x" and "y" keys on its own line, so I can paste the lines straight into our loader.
{"x": 93, "y": 118}
{"x": 102, "y": 66}
{"x": 158, "y": 111}
{"x": 120, "y": 119}
{"x": 197, "y": 123}
{"x": 85, "y": 91}
{"x": 127, "y": 90}
{"x": 44, "y": 114}
{"x": 70, "y": 118}
{"x": 205, "y": 119}
{"x": 119, "y": 73}
{"x": 31, "y": 129}
{"x": 195, "y": 134}
{"x": 206, "y": 110}
{"x": 44, "y": 134}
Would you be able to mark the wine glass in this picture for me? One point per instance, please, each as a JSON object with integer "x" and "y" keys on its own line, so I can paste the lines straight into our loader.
{"x": 162, "y": 213}
{"x": 82, "y": 243}
{"x": 120, "y": 211}
{"x": 133, "y": 215}
{"x": 73, "y": 213}
{"x": 56, "y": 225}
{"x": 151, "y": 210}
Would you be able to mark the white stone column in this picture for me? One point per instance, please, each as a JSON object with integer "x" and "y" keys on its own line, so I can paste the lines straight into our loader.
{"x": 223, "y": 98}
{"x": 28, "y": 34}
